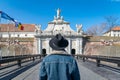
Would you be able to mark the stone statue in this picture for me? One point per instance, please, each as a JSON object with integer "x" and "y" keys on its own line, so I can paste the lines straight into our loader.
{"x": 79, "y": 28}
{"x": 38, "y": 28}
{"x": 58, "y": 13}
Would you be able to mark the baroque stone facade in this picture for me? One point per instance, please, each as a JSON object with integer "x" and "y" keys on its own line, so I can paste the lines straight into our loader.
{"x": 58, "y": 25}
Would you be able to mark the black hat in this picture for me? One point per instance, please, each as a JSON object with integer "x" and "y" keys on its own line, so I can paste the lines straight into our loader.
{"x": 58, "y": 42}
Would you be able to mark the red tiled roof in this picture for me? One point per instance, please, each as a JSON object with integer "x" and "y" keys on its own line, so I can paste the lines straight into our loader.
{"x": 116, "y": 28}
{"x": 12, "y": 28}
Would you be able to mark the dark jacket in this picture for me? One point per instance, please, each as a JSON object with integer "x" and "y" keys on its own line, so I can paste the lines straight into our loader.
{"x": 59, "y": 66}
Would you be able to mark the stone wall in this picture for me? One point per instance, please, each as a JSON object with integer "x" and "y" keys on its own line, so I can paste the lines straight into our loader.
{"x": 98, "y": 47}
{"x": 24, "y": 47}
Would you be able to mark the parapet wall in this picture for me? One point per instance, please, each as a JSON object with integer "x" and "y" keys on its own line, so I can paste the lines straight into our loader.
{"x": 107, "y": 46}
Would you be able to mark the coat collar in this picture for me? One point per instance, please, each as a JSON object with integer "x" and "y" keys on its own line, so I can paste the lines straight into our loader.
{"x": 60, "y": 52}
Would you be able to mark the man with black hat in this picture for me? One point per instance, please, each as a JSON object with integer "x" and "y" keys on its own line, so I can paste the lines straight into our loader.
{"x": 59, "y": 65}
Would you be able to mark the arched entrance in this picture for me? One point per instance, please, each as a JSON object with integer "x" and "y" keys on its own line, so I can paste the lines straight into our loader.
{"x": 73, "y": 51}
{"x": 44, "y": 51}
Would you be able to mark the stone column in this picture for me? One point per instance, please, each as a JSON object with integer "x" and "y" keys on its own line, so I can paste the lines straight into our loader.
{"x": 77, "y": 46}
{"x": 47, "y": 46}
{"x": 50, "y": 49}
{"x": 69, "y": 46}
{"x": 80, "y": 42}
{"x": 39, "y": 46}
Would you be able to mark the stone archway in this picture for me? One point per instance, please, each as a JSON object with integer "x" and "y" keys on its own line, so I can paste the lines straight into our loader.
{"x": 44, "y": 51}
{"x": 73, "y": 51}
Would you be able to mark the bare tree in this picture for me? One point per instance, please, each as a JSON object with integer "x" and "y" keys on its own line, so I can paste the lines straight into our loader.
{"x": 96, "y": 30}
{"x": 111, "y": 22}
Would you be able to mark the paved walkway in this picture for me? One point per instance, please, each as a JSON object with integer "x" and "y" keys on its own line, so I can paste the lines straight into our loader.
{"x": 86, "y": 73}
{"x": 103, "y": 71}
{"x": 30, "y": 74}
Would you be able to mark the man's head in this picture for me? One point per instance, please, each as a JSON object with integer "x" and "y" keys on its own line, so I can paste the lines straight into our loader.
{"x": 58, "y": 42}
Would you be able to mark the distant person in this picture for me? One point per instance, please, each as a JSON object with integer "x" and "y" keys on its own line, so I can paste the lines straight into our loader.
{"x": 59, "y": 65}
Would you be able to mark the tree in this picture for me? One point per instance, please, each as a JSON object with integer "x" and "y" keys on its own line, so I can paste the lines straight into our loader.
{"x": 96, "y": 30}
{"x": 111, "y": 22}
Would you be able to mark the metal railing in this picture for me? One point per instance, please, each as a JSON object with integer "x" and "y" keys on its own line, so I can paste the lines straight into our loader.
{"x": 19, "y": 59}
{"x": 110, "y": 59}
{"x": 12, "y": 66}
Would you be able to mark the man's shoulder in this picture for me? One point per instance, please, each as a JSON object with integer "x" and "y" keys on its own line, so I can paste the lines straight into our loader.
{"x": 56, "y": 57}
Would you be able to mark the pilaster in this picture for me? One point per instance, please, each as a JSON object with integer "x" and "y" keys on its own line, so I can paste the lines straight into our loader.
{"x": 69, "y": 46}
{"x": 39, "y": 46}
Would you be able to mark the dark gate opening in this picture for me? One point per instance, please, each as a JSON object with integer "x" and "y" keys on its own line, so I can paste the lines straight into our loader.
{"x": 73, "y": 51}
{"x": 44, "y": 51}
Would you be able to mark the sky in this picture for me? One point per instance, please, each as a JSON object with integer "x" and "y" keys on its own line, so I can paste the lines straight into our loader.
{"x": 85, "y": 12}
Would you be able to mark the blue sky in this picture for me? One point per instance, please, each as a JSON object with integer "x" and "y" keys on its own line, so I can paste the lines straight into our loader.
{"x": 85, "y": 12}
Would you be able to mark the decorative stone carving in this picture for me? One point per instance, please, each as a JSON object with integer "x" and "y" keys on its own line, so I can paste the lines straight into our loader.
{"x": 38, "y": 30}
{"x": 58, "y": 25}
{"x": 58, "y": 13}
{"x": 79, "y": 28}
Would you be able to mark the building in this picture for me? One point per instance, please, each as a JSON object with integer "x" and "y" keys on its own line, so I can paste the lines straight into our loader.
{"x": 114, "y": 32}
{"x": 58, "y": 25}
{"x": 9, "y": 30}
{"x": 18, "y": 42}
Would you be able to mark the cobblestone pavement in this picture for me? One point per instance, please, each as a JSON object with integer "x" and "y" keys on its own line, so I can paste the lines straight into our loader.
{"x": 88, "y": 71}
